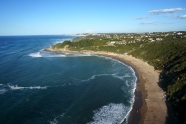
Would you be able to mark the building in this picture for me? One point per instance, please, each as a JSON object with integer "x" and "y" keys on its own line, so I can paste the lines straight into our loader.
{"x": 138, "y": 39}
{"x": 112, "y": 42}
{"x": 159, "y": 39}
{"x": 150, "y": 39}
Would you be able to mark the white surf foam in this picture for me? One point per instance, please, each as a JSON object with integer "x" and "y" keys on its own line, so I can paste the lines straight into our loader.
{"x": 114, "y": 75}
{"x": 127, "y": 75}
{"x": 16, "y": 87}
{"x": 94, "y": 76}
{"x": 110, "y": 114}
{"x": 35, "y": 55}
{"x": 133, "y": 84}
{"x": 2, "y": 91}
{"x": 44, "y": 54}
{"x": 127, "y": 84}
{"x": 55, "y": 121}
{"x": 119, "y": 77}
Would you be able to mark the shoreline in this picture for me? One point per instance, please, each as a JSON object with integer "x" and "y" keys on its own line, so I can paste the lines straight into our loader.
{"x": 135, "y": 115}
{"x": 148, "y": 106}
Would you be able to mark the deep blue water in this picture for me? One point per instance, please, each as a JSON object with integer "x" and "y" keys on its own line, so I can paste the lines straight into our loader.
{"x": 38, "y": 87}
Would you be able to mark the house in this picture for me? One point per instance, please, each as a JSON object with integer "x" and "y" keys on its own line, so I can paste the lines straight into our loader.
{"x": 118, "y": 42}
{"x": 150, "y": 39}
{"x": 138, "y": 39}
{"x": 91, "y": 39}
{"x": 159, "y": 39}
{"x": 179, "y": 33}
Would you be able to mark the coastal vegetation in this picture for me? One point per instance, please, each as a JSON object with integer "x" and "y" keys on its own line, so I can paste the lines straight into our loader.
{"x": 98, "y": 45}
{"x": 168, "y": 56}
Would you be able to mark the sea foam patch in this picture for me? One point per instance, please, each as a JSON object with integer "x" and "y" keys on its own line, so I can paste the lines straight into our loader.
{"x": 113, "y": 75}
{"x": 99, "y": 75}
{"x": 35, "y": 55}
{"x": 2, "y": 91}
{"x": 55, "y": 121}
{"x": 16, "y": 87}
{"x": 46, "y": 54}
{"x": 110, "y": 114}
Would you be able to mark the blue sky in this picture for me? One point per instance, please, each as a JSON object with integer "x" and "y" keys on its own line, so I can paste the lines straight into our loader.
{"x": 42, "y": 17}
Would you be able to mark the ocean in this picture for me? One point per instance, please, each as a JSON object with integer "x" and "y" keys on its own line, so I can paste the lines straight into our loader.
{"x": 39, "y": 87}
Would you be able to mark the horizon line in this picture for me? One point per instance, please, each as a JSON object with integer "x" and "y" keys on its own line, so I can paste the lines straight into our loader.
{"x": 72, "y": 34}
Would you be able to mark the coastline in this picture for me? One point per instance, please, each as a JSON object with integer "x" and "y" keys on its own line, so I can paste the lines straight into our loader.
{"x": 149, "y": 106}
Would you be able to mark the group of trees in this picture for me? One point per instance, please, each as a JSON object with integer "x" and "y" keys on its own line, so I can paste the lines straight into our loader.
{"x": 168, "y": 55}
{"x": 82, "y": 44}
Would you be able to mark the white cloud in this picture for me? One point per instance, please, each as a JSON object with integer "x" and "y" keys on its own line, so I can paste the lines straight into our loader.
{"x": 165, "y": 23}
{"x": 153, "y": 23}
{"x": 181, "y": 16}
{"x": 165, "y": 10}
{"x": 176, "y": 16}
{"x": 140, "y": 18}
{"x": 148, "y": 23}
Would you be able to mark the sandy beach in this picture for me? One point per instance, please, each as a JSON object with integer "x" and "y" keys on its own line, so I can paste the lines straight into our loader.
{"x": 149, "y": 106}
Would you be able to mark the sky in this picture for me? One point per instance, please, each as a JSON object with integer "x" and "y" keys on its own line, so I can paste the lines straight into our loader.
{"x": 45, "y": 17}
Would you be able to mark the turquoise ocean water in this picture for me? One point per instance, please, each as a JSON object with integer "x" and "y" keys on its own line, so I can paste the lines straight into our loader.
{"x": 39, "y": 87}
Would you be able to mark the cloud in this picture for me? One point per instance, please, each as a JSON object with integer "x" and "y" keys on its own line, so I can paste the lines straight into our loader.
{"x": 165, "y": 23}
{"x": 176, "y": 16}
{"x": 172, "y": 10}
{"x": 148, "y": 23}
{"x": 181, "y": 17}
{"x": 140, "y": 18}
{"x": 154, "y": 23}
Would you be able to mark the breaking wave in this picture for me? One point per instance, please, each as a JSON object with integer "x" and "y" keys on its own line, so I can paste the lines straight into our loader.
{"x": 110, "y": 114}
{"x": 94, "y": 76}
{"x": 8, "y": 87}
{"x": 55, "y": 121}
{"x": 43, "y": 53}
{"x": 16, "y": 87}
{"x": 114, "y": 75}
{"x": 35, "y": 55}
